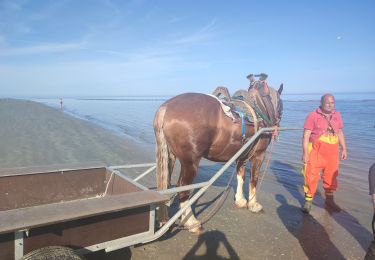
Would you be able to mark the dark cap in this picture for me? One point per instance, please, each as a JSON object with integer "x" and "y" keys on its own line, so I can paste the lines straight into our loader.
{"x": 249, "y": 76}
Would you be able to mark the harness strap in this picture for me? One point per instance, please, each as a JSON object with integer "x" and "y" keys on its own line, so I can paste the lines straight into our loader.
{"x": 243, "y": 105}
{"x": 243, "y": 128}
{"x": 260, "y": 113}
{"x": 330, "y": 128}
{"x": 269, "y": 108}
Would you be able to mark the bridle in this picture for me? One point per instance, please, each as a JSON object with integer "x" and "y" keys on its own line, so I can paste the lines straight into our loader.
{"x": 266, "y": 104}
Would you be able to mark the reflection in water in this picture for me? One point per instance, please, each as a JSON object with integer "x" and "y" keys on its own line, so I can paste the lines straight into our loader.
{"x": 212, "y": 241}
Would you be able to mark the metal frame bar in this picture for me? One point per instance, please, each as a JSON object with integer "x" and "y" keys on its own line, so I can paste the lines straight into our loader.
{"x": 130, "y": 180}
{"x": 145, "y": 173}
{"x": 18, "y": 244}
{"x": 127, "y": 166}
{"x": 151, "y": 165}
{"x": 184, "y": 188}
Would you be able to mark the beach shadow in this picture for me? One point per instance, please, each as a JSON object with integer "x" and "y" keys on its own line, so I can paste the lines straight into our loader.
{"x": 311, "y": 235}
{"x": 290, "y": 178}
{"x": 292, "y": 181}
{"x": 121, "y": 254}
{"x": 352, "y": 225}
{"x": 211, "y": 240}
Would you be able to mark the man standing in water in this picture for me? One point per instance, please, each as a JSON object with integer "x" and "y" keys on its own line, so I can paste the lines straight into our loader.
{"x": 322, "y": 137}
{"x": 61, "y": 104}
{"x": 371, "y": 180}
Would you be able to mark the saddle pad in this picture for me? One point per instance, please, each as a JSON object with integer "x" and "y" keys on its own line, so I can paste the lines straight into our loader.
{"x": 226, "y": 109}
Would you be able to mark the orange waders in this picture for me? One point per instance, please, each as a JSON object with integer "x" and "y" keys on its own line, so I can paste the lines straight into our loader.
{"x": 323, "y": 156}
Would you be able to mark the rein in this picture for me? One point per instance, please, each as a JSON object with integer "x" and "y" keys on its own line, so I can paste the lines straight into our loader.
{"x": 274, "y": 135}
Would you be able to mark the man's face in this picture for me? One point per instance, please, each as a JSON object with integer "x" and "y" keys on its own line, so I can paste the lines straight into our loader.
{"x": 328, "y": 104}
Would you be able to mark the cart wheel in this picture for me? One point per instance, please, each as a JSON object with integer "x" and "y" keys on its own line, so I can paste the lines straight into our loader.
{"x": 52, "y": 252}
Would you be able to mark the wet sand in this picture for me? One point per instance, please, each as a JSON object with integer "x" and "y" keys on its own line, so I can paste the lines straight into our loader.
{"x": 32, "y": 134}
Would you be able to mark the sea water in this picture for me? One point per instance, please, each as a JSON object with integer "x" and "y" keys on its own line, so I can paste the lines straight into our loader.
{"x": 132, "y": 116}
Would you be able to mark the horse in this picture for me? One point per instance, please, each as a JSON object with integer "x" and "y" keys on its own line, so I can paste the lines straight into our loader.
{"x": 192, "y": 126}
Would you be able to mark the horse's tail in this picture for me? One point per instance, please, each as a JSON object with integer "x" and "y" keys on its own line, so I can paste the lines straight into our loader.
{"x": 162, "y": 153}
{"x": 162, "y": 160}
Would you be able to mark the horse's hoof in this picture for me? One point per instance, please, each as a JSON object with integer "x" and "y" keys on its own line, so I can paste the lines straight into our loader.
{"x": 172, "y": 228}
{"x": 197, "y": 230}
{"x": 255, "y": 208}
{"x": 160, "y": 224}
{"x": 241, "y": 204}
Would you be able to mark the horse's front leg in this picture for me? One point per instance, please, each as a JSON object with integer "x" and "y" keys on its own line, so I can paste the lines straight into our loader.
{"x": 256, "y": 163}
{"x": 188, "y": 172}
{"x": 240, "y": 200}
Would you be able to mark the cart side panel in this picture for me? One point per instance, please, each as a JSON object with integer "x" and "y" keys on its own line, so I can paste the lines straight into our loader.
{"x": 119, "y": 186}
{"x": 90, "y": 231}
{"x": 21, "y": 191}
{"x": 7, "y": 246}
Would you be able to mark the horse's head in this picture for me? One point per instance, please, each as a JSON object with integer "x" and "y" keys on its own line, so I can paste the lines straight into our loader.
{"x": 279, "y": 104}
{"x": 269, "y": 102}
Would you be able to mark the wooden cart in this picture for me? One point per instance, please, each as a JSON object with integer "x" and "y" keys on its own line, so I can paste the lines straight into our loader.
{"x": 86, "y": 208}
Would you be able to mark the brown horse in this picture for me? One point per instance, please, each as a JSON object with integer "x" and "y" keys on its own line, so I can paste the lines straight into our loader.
{"x": 192, "y": 125}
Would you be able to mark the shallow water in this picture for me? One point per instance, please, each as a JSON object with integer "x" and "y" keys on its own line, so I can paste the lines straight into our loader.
{"x": 133, "y": 116}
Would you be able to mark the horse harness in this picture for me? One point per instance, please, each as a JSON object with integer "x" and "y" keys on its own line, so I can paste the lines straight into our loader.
{"x": 330, "y": 128}
{"x": 245, "y": 105}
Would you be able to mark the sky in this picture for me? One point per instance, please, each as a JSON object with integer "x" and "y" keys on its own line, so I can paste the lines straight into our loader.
{"x": 125, "y": 48}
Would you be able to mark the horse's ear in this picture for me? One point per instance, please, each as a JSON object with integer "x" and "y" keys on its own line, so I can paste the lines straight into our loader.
{"x": 280, "y": 88}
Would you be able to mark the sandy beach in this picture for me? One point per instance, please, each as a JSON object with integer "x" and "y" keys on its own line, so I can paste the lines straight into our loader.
{"x": 32, "y": 134}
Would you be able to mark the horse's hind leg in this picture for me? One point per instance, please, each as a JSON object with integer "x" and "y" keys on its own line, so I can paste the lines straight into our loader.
{"x": 256, "y": 163}
{"x": 188, "y": 172}
{"x": 240, "y": 200}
